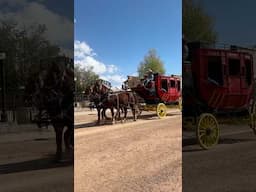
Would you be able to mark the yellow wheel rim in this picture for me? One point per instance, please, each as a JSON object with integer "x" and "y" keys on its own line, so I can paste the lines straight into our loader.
{"x": 161, "y": 110}
{"x": 207, "y": 131}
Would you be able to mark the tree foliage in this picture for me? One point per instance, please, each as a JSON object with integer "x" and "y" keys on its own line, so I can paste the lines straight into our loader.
{"x": 85, "y": 77}
{"x": 25, "y": 47}
{"x": 197, "y": 25}
{"x": 151, "y": 61}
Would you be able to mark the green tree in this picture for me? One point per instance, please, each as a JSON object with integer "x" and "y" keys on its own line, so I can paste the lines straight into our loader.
{"x": 25, "y": 47}
{"x": 197, "y": 25}
{"x": 151, "y": 61}
{"x": 85, "y": 77}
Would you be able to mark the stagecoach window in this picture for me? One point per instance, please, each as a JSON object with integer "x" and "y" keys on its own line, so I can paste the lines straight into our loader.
{"x": 178, "y": 85}
{"x": 215, "y": 70}
{"x": 164, "y": 84}
{"x": 234, "y": 67}
{"x": 172, "y": 84}
{"x": 248, "y": 71}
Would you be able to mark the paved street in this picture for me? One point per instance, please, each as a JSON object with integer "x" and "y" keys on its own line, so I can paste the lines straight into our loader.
{"x": 228, "y": 167}
{"x": 131, "y": 157}
{"x": 27, "y": 161}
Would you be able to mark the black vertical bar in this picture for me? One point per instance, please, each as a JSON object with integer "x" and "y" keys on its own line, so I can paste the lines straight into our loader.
{"x": 3, "y": 115}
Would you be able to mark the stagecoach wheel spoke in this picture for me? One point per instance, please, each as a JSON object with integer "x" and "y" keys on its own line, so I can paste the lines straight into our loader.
{"x": 161, "y": 110}
{"x": 207, "y": 131}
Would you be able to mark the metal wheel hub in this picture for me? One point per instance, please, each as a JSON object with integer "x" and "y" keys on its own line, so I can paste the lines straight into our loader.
{"x": 161, "y": 110}
{"x": 208, "y": 131}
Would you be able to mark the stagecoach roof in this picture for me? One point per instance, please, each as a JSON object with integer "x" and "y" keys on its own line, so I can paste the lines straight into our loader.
{"x": 219, "y": 46}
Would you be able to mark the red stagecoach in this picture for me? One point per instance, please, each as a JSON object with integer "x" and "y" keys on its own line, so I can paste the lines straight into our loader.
{"x": 215, "y": 80}
{"x": 158, "y": 93}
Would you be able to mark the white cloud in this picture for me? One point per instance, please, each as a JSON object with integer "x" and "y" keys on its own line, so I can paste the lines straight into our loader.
{"x": 88, "y": 62}
{"x": 112, "y": 68}
{"x": 86, "y": 58}
{"x": 82, "y": 50}
{"x": 116, "y": 79}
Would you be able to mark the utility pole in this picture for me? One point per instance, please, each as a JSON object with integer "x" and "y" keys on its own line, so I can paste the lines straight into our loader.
{"x": 3, "y": 86}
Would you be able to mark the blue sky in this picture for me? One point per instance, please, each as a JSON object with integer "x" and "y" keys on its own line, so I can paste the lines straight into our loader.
{"x": 234, "y": 21}
{"x": 115, "y": 35}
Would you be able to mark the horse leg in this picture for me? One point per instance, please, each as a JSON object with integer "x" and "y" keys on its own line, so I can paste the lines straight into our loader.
{"x": 69, "y": 137}
{"x": 112, "y": 114}
{"x": 103, "y": 114}
{"x": 134, "y": 113}
{"x": 58, "y": 131}
{"x": 119, "y": 113}
{"x": 117, "y": 116}
{"x": 98, "y": 110}
{"x": 125, "y": 113}
{"x": 69, "y": 141}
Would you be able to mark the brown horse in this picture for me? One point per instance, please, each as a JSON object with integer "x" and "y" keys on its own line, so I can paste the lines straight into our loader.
{"x": 124, "y": 100}
{"x": 121, "y": 101}
{"x": 52, "y": 91}
{"x": 98, "y": 94}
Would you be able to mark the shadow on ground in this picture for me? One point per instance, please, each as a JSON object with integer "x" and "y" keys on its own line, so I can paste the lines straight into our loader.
{"x": 222, "y": 141}
{"x": 32, "y": 165}
{"x": 129, "y": 119}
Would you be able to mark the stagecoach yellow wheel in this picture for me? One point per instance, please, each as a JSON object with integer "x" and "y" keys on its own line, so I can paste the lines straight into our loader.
{"x": 208, "y": 131}
{"x": 161, "y": 110}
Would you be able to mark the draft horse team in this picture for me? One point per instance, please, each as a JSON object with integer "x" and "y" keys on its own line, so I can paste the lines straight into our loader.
{"x": 103, "y": 98}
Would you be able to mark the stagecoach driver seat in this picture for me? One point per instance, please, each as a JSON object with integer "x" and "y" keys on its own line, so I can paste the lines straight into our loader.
{"x": 149, "y": 82}
{"x": 148, "y": 77}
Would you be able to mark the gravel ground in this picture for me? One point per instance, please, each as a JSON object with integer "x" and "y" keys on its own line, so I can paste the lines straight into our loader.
{"x": 134, "y": 156}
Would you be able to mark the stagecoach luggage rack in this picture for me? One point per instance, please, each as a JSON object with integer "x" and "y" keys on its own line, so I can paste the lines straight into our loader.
{"x": 225, "y": 46}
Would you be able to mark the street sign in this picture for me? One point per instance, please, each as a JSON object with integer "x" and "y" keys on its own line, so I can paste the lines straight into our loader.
{"x": 2, "y": 56}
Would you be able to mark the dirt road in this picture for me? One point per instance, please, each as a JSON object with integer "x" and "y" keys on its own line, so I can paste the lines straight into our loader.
{"x": 229, "y": 166}
{"x": 134, "y": 156}
{"x": 27, "y": 161}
